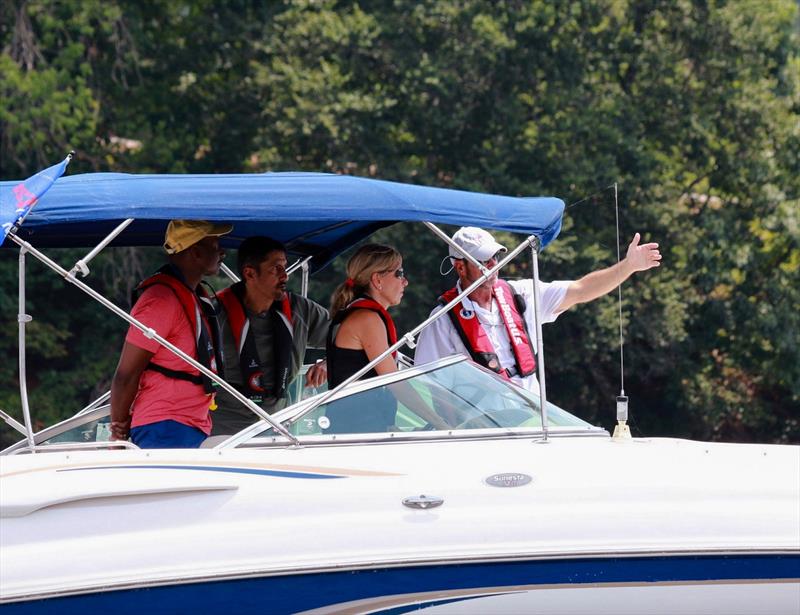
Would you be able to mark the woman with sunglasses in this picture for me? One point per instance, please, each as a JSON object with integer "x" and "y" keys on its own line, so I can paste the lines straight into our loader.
{"x": 362, "y": 328}
{"x": 360, "y": 331}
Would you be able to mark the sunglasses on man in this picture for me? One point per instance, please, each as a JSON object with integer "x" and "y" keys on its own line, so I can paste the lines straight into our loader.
{"x": 495, "y": 258}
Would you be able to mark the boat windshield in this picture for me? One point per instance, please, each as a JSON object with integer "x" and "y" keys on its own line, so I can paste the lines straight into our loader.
{"x": 458, "y": 396}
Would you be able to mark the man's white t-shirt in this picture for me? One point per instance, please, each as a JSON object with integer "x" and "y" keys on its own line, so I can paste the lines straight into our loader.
{"x": 440, "y": 338}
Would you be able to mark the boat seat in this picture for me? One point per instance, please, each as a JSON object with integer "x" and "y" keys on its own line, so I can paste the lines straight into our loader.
{"x": 212, "y": 441}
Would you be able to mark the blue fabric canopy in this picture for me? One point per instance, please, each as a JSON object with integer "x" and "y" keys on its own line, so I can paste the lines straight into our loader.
{"x": 314, "y": 214}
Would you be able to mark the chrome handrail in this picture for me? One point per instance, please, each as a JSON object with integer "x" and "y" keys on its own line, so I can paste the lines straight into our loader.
{"x": 95, "y": 404}
{"x": 75, "y": 446}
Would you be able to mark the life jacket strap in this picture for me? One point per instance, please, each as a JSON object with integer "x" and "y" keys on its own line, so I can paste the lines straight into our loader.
{"x": 202, "y": 319}
{"x": 174, "y": 373}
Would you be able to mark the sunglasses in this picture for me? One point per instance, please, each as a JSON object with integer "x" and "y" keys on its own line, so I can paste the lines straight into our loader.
{"x": 398, "y": 273}
{"x": 485, "y": 263}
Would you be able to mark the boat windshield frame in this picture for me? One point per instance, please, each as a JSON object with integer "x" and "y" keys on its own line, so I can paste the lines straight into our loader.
{"x": 250, "y": 436}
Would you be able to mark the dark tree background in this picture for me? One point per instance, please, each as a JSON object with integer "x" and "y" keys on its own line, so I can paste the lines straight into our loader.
{"x": 691, "y": 106}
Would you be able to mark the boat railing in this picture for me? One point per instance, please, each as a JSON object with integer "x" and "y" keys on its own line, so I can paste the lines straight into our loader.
{"x": 95, "y": 404}
{"x": 60, "y": 447}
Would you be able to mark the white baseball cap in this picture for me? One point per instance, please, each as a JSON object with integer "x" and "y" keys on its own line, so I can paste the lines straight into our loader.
{"x": 476, "y": 242}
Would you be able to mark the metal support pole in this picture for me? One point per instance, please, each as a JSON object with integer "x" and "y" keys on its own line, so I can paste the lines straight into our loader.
{"x": 537, "y": 312}
{"x": 297, "y": 264}
{"x": 304, "y": 279}
{"x": 443, "y": 236}
{"x": 151, "y": 334}
{"x": 289, "y": 270}
{"x": 22, "y": 320}
{"x": 228, "y": 272}
{"x": 96, "y": 403}
{"x": 82, "y": 265}
{"x": 12, "y": 422}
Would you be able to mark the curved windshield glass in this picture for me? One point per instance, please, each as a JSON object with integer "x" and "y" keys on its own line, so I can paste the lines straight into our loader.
{"x": 458, "y": 396}
{"x": 97, "y": 430}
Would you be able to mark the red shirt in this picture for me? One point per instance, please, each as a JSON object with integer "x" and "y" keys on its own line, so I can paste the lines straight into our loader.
{"x": 159, "y": 397}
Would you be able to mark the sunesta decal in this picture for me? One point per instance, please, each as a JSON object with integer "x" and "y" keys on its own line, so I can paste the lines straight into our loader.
{"x": 509, "y": 479}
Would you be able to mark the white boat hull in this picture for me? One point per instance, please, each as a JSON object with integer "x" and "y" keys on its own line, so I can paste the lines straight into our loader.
{"x": 661, "y": 524}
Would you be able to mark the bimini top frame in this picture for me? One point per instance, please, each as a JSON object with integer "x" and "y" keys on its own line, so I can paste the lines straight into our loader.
{"x": 315, "y": 215}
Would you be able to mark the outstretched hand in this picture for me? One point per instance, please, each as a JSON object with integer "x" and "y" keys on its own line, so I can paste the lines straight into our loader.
{"x": 598, "y": 283}
{"x": 642, "y": 257}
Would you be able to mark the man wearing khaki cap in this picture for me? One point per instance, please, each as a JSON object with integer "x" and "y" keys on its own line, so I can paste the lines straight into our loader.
{"x": 156, "y": 398}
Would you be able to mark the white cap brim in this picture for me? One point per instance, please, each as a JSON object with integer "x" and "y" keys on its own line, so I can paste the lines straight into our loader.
{"x": 480, "y": 253}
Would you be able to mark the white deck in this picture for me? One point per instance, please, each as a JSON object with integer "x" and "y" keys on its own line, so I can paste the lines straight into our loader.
{"x": 67, "y": 531}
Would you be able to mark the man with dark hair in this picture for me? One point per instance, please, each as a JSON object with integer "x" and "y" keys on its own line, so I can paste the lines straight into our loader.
{"x": 265, "y": 332}
{"x": 156, "y": 397}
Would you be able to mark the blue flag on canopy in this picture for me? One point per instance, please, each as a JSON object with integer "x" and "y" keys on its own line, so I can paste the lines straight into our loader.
{"x": 16, "y": 202}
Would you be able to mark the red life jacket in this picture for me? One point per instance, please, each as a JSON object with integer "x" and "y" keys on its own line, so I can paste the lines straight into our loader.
{"x": 202, "y": 320}
{"x": 232, "y": 301}
{"x": 477, "y": 341}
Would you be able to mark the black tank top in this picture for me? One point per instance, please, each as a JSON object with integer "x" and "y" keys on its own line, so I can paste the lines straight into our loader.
{"x": 344, "y": 362}
{"x": 370, "y": 411}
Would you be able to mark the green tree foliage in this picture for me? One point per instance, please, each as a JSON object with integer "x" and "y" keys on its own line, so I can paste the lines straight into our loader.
{"x": 691, "y": 106}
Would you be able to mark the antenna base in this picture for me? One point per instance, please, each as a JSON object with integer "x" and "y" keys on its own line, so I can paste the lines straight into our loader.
{"x": 622, "y": 431}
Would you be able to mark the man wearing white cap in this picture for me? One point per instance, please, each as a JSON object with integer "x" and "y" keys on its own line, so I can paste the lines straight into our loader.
{"x": 156, "y": 397}
{"x": 494, "y": 325}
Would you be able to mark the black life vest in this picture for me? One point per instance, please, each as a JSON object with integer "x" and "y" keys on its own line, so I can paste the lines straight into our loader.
{"x": 476, "y": 340}
{"x": 232, "y": 301}
{"x": 202, "y": 319}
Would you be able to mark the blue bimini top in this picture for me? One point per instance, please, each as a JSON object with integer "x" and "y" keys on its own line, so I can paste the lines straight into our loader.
{"x": 313, "y": 214}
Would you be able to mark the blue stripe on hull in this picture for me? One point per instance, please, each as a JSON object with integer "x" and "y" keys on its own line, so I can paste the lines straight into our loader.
{"x": 233, "y": 470}
{"x": 290, "y": 594}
